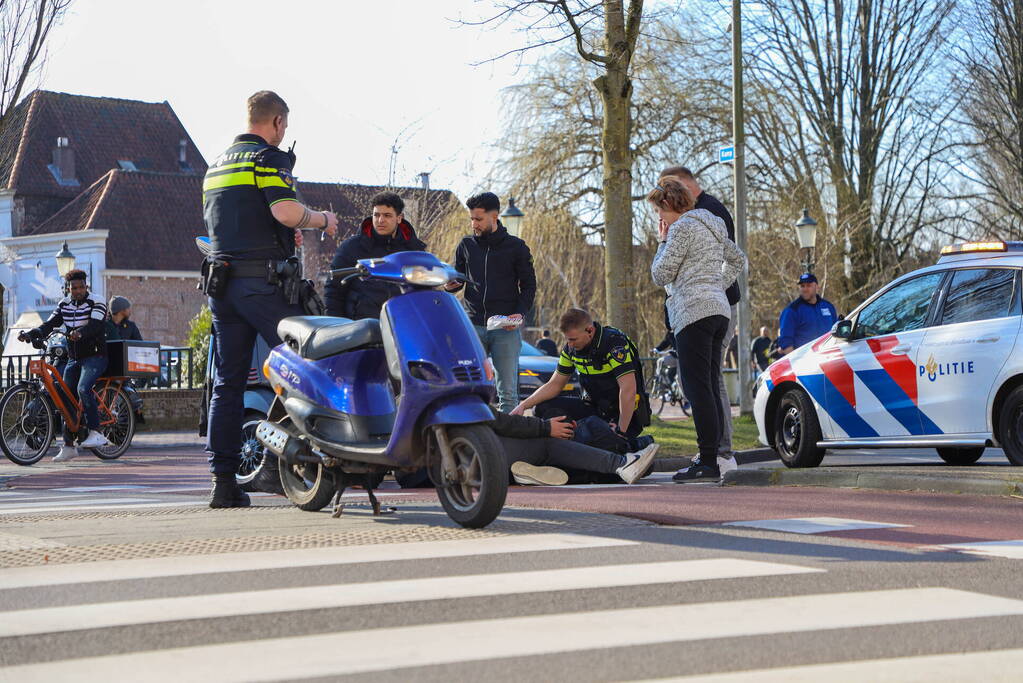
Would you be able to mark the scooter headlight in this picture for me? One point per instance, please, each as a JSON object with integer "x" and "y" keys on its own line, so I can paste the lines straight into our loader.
{"x": 432, "y": 276}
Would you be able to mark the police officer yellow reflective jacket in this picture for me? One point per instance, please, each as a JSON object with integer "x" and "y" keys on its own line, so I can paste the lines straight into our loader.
{"x": 238, "y": 191}
{"x": 609, "y": 356}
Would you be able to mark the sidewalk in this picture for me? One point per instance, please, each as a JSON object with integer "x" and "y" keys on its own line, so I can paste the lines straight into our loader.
{"x": 976, "y": 480}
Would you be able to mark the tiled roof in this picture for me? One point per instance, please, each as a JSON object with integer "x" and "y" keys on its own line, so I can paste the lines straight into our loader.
{"x": 101, "y": 131}
{"x": 153, "y": 219}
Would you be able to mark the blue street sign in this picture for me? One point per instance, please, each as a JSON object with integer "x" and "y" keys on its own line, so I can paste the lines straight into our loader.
{"x": 726, "y": 155}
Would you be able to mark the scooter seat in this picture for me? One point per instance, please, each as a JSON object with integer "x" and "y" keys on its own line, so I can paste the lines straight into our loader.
{"x": 319, "y": 336}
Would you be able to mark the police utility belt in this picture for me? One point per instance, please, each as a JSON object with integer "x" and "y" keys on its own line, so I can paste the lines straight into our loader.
{"x": 286, "y": 274}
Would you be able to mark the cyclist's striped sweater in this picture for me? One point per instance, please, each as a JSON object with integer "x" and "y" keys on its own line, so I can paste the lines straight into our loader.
{"x": 86, "y": 316}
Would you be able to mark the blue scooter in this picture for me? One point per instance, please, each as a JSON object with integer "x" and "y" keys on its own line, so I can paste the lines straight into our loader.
{"x": 357, "y": 399}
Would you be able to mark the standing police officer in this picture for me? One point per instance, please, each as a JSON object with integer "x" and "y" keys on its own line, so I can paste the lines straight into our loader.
{"x": 250, "y": 211}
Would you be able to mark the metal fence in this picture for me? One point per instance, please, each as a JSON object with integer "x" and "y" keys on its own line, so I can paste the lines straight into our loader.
{"x": 176, "y": 371}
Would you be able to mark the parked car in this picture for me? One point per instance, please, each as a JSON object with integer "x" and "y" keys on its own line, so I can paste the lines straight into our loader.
{"x": 932, "y": 360}
{"x": 535, "y": 368}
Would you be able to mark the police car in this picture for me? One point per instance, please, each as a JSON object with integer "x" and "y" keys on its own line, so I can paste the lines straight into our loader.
{"x": 932, "y": 360}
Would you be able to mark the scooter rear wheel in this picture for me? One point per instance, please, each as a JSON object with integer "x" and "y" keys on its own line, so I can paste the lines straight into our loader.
{"x": 478, "y": 497}
{"x": 310, "y": 486}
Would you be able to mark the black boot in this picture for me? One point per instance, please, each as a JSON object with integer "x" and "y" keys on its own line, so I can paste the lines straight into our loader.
{"x": 227, "y": 493}
{"x": 268, "y": 479}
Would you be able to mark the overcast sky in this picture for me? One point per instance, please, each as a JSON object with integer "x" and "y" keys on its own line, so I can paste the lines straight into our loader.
{"x": 355, "y": 75}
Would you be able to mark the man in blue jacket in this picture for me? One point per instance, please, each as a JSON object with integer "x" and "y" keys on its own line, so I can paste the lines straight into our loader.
{"x": 503, "y": 282}
{"x": 806, "y": 318}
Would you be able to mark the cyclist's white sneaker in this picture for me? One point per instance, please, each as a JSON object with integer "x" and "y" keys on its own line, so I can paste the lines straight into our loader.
{"x": 95, "y": 440}
{"x": 66, "y": 453}
{"x": 636, "y": 464}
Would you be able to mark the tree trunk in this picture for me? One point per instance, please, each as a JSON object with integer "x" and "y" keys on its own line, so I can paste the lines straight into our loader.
{"x": 615, "y": 90}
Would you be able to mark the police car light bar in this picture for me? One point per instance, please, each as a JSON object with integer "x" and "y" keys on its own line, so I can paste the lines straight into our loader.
{"x": 973, "y": 247}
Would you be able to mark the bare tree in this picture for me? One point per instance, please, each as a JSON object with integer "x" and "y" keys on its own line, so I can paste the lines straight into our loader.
{"x": 991, "y": 68}
{"x": 24, "y": 27}
{"x": 605, "y": 34}
{"x": 850, "y": 116}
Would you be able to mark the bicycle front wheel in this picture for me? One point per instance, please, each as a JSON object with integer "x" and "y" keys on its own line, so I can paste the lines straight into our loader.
{"x": 117, "y": 423}
{"x": 26, "y": 425}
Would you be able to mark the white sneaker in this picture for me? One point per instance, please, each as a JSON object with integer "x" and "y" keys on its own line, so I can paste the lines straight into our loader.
{"x": 95, "y": 440}
{"x": 636, "y": 464}
{"x": 66, "y": 453}
{"x": 727, "y": 464}
{"x": 536, "y": 475}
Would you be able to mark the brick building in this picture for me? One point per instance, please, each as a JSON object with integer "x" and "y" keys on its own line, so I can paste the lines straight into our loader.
{"x": 120, "y": 181}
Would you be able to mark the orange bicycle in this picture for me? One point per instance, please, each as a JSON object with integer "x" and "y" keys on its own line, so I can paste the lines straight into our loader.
{"x": 31, "y": 412}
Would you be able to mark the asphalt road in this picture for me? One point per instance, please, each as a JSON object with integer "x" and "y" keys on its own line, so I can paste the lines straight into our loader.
{"x": 102, "y": 582}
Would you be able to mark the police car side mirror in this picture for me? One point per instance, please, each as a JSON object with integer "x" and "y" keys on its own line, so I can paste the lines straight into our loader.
{"x": 842, "y": 330}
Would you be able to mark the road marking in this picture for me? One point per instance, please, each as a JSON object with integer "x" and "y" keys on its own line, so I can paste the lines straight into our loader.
{"x": 123, "y": 570}
{"x": 386, "y": 649}
{"x": 991, "y": 667}
{"x": 77, "y": 500}
{"x": 814, "y": 525}
{"x": 134, "y": 612}
{"x": 64, "y": 508}
{"x": 112, "y": 487}
{"x": 1010, "y": 549}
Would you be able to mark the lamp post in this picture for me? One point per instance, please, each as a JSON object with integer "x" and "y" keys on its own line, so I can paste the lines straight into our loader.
{"x": 65, "y": 261}
{"x": 65, "y": 264}
{"x": 512, "y": 218}
{"x": 806, "y": 233}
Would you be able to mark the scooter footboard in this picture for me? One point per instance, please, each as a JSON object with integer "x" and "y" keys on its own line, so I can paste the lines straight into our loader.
{"x": 457, "y": 410}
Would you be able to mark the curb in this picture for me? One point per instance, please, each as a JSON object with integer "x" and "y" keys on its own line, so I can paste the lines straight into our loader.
{"x": 675, "y": 462}
{"x": 874, "y": 480}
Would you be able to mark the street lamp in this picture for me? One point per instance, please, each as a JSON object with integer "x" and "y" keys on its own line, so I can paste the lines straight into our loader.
{"x": 512, "y": 218}
{"x": 65, "y": 261}
{"x": 806, "y": 232}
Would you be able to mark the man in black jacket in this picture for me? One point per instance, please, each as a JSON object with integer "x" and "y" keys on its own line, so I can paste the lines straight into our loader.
{"x": 385, "y": 232}
{"x": 503, "y": 283}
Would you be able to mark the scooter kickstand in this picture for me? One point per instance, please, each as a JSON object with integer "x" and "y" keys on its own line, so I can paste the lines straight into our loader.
{"x": 339, "y": 507}
{"x": 376, "y": 504}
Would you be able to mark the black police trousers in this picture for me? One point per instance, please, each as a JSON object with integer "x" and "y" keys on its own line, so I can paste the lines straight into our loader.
{"x": 250, "y": 306}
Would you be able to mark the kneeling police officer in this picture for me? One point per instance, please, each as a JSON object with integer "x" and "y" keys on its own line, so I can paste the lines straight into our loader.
{"x": 252, "y": 277}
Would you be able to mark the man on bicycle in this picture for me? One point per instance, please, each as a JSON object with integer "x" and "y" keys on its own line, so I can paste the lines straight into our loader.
{"x": 85, "y": 323}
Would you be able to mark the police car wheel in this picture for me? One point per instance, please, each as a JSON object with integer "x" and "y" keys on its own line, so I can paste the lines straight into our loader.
{"x": 961, "y": 456}
{"x": 1010, "y": 426}
{"x": 797, "y": 431}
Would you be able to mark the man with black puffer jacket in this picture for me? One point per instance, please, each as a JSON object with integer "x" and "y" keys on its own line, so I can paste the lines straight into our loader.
{"x": 539, "y": 451}
{"x": 385, "y": 232}
{"x": 503, "y": 282}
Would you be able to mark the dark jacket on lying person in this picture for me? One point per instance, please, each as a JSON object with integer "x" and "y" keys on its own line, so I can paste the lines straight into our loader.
{"x": 364, "y": 298}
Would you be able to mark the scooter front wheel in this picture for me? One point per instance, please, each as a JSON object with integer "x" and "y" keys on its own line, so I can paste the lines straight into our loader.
{"x": 475, "y": 499}
{"x": 310, "y": 486}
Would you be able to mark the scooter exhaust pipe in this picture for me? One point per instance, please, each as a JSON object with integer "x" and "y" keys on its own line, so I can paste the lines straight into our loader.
{"x": 283, "y": 443}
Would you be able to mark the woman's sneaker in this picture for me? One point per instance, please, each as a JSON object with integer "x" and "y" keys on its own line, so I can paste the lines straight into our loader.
{"x": 698, "y": 472}
{"x": 66, "y": 453}
{"x": 95, "y": 440}
{"x": 535, "y": 475}
{"x": 636, "y": 464}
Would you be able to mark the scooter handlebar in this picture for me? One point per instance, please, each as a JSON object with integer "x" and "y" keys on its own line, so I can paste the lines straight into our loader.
{"x": 345, "y": 272}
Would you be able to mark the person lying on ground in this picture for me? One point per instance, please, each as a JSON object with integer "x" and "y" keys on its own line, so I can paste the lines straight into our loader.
{"x": 539, "y": 451}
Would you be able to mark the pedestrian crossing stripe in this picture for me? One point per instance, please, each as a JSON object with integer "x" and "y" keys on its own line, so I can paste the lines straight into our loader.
{"x": 813, "y": 525}
{"x": 1010, "y": 549}
{"x": 353, "y": 652}
{"x": 179, "y": 565}
{"x": 991, "y": 667}
{"x": 137, "y": 612}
